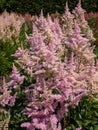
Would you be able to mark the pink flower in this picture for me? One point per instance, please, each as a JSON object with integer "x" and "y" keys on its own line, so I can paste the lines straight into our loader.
{"x": 79, "y": 128}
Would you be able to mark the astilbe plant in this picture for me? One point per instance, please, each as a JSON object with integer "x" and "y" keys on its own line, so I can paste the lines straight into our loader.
{"x": 6, "y": 99}
{"x": 80, "y": 18}
{"x": 61, "y": 70}
{"x": 77, "y": 14}
{"x": 8, "y": 95}
{"x": 5, "y": 95}
{"x": 10, "y": 25}
{"x": 91, "y": 15}
{"x": 67, "y": 21}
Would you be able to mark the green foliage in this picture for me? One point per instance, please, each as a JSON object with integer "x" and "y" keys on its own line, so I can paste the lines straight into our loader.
{"x": 7, "y": 49}
{"x": 17, "y": 118}
{"x": 6, "y": 60}
{"x": 90, "y": 5}
{"x": 85, "y": 115}
{"x": 93, "y": 23}
{"x": 49, "y": 6}
{"x": 96, "y": 51}
{"x": 2, "y": 3}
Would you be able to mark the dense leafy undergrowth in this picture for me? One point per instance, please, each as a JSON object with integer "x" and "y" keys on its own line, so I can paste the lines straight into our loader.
{"x": 54, "y": 80}
{"x": 85, "y": 115}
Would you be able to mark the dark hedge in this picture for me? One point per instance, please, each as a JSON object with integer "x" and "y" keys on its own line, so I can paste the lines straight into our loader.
{"x": 48, "y": 6}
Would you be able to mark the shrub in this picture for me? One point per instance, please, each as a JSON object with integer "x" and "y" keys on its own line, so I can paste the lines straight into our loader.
{"x": 50, "y": 6}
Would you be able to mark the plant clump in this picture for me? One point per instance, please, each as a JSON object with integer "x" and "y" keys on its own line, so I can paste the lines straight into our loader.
{"x": 59, "y": 66}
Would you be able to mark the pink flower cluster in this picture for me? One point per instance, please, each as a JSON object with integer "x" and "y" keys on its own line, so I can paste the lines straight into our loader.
{"x": 6, "y": 98}
{"x": 77, "y": 14}
{"x": 91, "y": 15}
{"x": 10, "y": 25}
{"x": 61, "y": 65}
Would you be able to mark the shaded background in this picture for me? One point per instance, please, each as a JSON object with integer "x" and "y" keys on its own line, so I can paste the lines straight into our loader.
{"x": 48, "y": 6}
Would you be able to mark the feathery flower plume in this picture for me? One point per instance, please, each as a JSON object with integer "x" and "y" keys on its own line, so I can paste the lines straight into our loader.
{"x": 61, "y": 67}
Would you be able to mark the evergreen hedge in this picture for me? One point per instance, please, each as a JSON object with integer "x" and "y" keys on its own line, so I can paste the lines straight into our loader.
{"x": 48, "y": 6}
